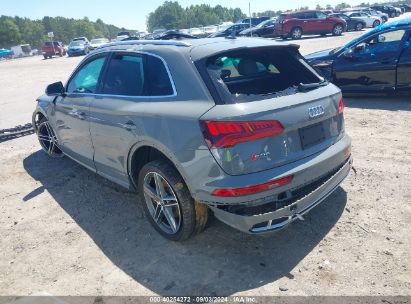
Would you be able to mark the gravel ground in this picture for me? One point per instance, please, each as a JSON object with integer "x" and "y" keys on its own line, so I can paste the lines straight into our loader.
{"x": 67, "y": 231}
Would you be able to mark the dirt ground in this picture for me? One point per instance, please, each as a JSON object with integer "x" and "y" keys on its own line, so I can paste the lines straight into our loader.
{"x": 67, "y": 231}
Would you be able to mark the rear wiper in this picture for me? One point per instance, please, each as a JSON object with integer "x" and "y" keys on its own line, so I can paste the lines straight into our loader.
{"x": 304, "y": 87}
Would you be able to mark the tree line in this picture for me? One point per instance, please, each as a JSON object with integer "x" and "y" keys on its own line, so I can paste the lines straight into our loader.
{"x": 17, "y": 30}
{"x": 171, "y": 15}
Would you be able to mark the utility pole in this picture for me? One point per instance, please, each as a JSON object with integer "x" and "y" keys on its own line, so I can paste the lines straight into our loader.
{"x": 249, "y": 14}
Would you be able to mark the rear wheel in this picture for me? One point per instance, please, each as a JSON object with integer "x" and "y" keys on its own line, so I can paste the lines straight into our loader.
{"x": 337, "y": 30}
{"x": 296, "y": 33}
{"x": 358, "y": 26}
{"x": 47, "y": 138}
{"x": 167, "y": 202}
{"x": 45, "y": 56}
{"x": 384, "y": 19}
{"x": 392, "y": 15}
{"x": 376, "y": 23}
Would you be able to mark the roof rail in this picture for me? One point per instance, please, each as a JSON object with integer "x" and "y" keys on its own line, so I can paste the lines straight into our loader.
{"x": 148, "y": 42}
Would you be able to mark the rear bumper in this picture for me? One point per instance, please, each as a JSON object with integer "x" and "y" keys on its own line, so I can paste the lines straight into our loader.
{"x": 272, "y": 221}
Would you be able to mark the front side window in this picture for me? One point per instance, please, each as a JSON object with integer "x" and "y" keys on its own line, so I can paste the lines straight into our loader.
{"x": 86, "y": 79}
{"x": 381, "y": 43}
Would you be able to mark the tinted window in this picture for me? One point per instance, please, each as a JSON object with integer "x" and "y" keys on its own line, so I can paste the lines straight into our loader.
{"x": 310, "y": 15}
{"x": 86, "y": 79}
{"x": 135, "y": 75}
{"x": 321, "y": 15}
{"x": 158, "y": 77}
{"x": 125, "y": 76}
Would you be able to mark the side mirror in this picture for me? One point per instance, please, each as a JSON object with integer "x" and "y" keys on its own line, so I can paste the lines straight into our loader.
{"x": 55, "y": 89}
{"x": 381, "y": 38}
{"x": 349, "y": 54}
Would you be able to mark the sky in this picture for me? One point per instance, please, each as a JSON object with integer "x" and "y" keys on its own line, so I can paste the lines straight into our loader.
{"x": 132, "y": 14}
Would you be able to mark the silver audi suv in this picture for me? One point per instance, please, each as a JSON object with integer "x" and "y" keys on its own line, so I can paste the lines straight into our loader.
{"x": 240, "y": 128}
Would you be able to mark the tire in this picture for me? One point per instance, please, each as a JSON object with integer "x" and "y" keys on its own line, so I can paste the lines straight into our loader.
{"x": 296, "y": 33}
{"x": 392, "y": 15}
{"x": 384, "y": 19}
{"x": 376, "y": 23}
{"x": 284, "y": 37}
{"x": 338, "y": 29}
{"x": 47, "y": 138}
{"x": 61, "y": 54}
{"x": 45, "y": 56}
{"x": 359, "y": 26}
{"x": 188, "y": 216}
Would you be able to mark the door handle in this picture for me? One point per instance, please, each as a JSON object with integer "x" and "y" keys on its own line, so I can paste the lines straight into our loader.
{"x": 129, "y": 126}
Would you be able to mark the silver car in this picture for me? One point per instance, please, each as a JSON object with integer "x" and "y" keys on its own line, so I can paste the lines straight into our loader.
{"x": 240, "y": 128}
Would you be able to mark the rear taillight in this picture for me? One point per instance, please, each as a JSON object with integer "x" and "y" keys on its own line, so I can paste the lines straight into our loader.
{"x": 341, "y": 106}
{"x": 253, "y": 189}
{"x": 225, "y": 134}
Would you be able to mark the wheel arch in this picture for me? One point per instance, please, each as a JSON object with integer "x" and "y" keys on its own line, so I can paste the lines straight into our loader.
{"x": 36, "y": 117}
{"x": 143, "y": 152}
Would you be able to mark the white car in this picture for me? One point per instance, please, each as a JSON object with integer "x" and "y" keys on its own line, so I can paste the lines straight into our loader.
{"x": 211, "y": 29}
{"x": 370, "y": 21}
{"x": 195, "y": 31}
{"x": 98, "y": 42}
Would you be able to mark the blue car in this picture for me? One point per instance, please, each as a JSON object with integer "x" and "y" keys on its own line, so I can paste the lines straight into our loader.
{"x": 378, "y": 61}
{"x": 77, "y": 48}
{"x": 5, "y": 53}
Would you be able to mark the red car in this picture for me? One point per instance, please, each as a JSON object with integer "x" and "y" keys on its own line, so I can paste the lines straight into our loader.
{"x": 295, "y": 24}
{"x": 49, "y": 51}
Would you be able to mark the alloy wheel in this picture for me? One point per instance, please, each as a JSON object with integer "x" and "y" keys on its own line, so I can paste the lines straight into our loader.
{"x": 296, "y": 34}
{"x": 338, "y": 29}
{"x": 162, "y": 203}
{"x": 359, "y": 27}
{"x": 48, "y": 139}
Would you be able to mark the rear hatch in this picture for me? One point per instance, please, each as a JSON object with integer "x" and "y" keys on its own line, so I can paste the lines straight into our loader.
{"x": 271, "y": 109}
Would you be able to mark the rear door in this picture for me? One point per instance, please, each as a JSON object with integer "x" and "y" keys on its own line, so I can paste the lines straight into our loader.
{"x": 310, "y": 24}
{"x": 373, "y": 65}
{"x": 131, "y": 83}
{"x": 72, "y": 111}
{"x": 404, "y": 66}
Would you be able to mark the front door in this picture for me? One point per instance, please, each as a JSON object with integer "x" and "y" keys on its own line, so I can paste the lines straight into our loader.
{"x": 72, "y": 112}
{"x": 372, "y": 64}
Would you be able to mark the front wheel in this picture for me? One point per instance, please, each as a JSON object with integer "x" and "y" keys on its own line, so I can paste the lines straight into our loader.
{"x": 167, "y": 202}
{"x": 376, "y": 23}
{"x": 47, "y": 138}
{"x": 337, "y": 30}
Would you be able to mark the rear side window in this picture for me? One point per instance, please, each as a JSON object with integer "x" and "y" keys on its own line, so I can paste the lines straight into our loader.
{"x": 125, "y": 76}
{"x": 255, "y": 74}
{"x": 137, "y": 75}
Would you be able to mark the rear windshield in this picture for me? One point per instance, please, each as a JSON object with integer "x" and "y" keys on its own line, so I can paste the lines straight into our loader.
{"x": 255, "y": 74}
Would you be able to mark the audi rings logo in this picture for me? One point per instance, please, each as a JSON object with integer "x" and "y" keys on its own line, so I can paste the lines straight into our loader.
{"x": 316, "y": 111}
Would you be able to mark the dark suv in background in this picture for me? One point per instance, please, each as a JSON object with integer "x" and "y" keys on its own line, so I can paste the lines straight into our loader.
{"x": 295, "y": 24}
{"x": 388, "y": 9}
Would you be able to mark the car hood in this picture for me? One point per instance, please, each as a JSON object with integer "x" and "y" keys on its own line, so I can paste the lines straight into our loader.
{"x": 247, "y": 31}
{"x": 321, "y": 55}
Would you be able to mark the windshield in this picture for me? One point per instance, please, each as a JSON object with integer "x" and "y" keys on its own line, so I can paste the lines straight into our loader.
{"x": 262, "y": 24}
{"x": 96, "y": 41}
{"x": 76, "y": 43}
